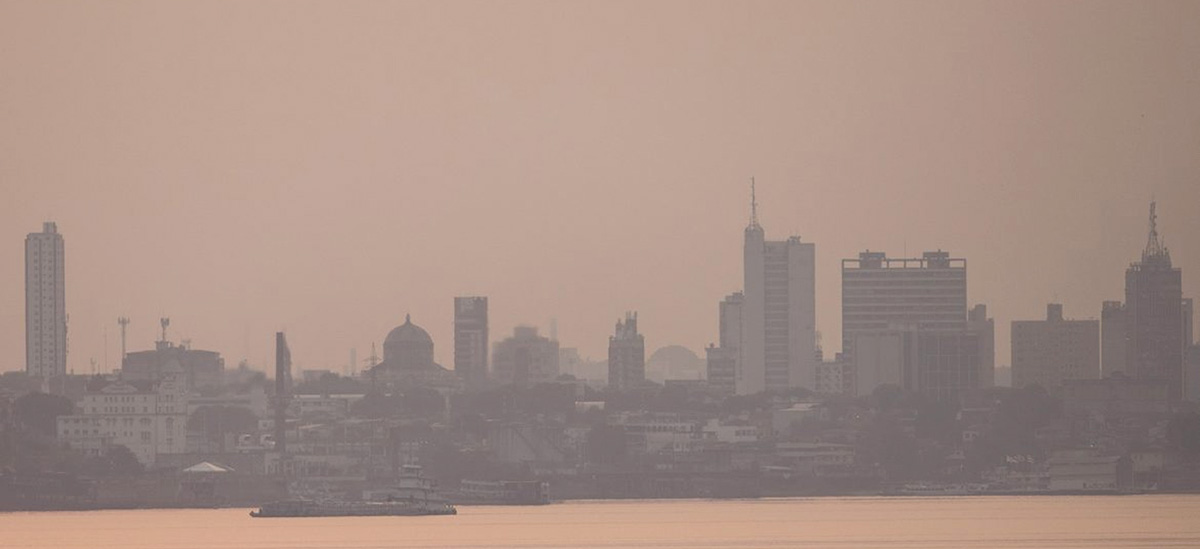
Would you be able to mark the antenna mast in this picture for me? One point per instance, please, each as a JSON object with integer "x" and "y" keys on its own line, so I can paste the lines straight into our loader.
{"x": 124, "y": 322}
{"x": 753, "y": 204}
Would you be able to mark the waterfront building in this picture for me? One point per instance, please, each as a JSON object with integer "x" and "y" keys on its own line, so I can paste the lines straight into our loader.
{"x": 525, "y": 359}
{"x": 148, "y": 418}
{"x": 45, "y": 303}
{"x": 1153, "y": 304}
{"x": 1047, "y": 352}
{"x": 471, "y": 341}
{"x": 778, "y": 326}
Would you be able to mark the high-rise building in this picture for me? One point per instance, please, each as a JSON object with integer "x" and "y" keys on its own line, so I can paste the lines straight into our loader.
{"x": 1112, "y": 338}
{"x": 45, "y": 303}
{"x": 779, "y": 334}
{"x": 626, "y": 355}
{"x": 1188, "y": 319}
{"x": 1047, "y": 352}
{"x": 525, "y": 359}
{"x": 723, "y": 357}
{"x": 1153, "y": 308}
{"x": 471, "y": 341}
{"x": 928, "y": 297}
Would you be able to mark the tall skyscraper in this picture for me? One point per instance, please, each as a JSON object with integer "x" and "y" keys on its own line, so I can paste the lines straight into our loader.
{"x": 525, "y": 359}
{"x": 45, "y": 303}
{"x": 471, "y": 341}
{"x": 1153, "y": 306}
{"x": 1047, "y": 352}
{"x": 1188, "y": 320}
{"x": 927, "y": 296}
{"x": 779, "y": 334}
{"x": 1112, "y": 338}
{"x": 626, "y": 356}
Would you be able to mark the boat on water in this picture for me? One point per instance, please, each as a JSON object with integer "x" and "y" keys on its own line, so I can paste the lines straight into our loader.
{"x": 337, "y": 508}
{"x": 502, "y": 492}
{"x": 412, "y": 495}
{"x": 939, "y": 489}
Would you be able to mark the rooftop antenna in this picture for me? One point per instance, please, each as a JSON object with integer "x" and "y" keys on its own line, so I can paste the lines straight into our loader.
{"x": 753, "y": 204}
{"x": 164, "y": 321}
{"x": 124, "y": 322}
{"x": 373, "y": 360}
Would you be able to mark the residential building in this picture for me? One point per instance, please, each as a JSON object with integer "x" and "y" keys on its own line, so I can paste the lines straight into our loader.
{"x": 45, "y": 303}
{"x": 471, "y": 341}
{"x": 1047, "y": 352}
{"x": 525, "y": 359}
{"x": 626, "y": 355}
{"x": 778, "y": 348}
{"x": 1154, "y": 326}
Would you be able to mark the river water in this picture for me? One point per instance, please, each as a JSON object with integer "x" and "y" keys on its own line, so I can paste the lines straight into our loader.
{"x": 934, "y": 522}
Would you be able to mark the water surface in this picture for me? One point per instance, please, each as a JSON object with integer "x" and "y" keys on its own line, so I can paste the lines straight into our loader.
{"x": 958, "y": 522}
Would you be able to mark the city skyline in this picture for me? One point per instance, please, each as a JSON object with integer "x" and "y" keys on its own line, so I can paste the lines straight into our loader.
{"x": 240, "y": 217}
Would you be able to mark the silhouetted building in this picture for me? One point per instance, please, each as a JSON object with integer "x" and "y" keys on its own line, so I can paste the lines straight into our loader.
{"x": 1047, "y": 352}
{"x": 885, "y": 357}
{"x": 149, "y": 418}
{"x": 626, "y": 355}
{"x": 45, "y": 303}
{"x": 779, "y": 336}
{"x": 525, "y": 359}
{"x": 1191, "y": 373}
{"x": 1153, "y": 307}
{"x": 471, "y": 341}
{"x": 1188, "y": 329}
{"x": 198, "y": 369}
{"x": 722, "y": 359}
{"x": 1113, "y": 349}
{"x": 979, "y": 323}
{"x": 408, "y": 360}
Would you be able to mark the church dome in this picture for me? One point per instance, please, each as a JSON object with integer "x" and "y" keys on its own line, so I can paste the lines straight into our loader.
{"x": 408, "y": 345}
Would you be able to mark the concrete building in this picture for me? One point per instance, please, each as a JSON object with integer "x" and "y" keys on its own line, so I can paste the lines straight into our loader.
{"x": 1187, "y": 307}
{"x": 45, "y": 303}
{"x": 148, "y": 418}
{"x": 1191, "y": 374}
{"x": 1047, "y": 352}
{"x": 1153, "y": 305}
{"x": 723, "y": 358}
{"x": 197, "y": 369}
{"x": 1112, "y": 338}
{"x": 926, "y": 296}
{"x": 471, "y": 341}
{"x": 885, "y": 357}
{"x": 626, "y": 355}
{"x": 778, "y": 313}
{"x": 525, "y": 359}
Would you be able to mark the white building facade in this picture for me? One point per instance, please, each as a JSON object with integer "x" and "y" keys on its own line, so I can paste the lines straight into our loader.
{"x": 45, "y": 303}
{"x": 148, "y": 421}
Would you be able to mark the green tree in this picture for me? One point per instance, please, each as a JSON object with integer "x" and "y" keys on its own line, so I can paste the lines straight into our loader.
{"x": 39, "y": 412}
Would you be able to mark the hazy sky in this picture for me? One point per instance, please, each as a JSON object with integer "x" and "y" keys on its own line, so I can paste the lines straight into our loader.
{"x": 326, "y": 168}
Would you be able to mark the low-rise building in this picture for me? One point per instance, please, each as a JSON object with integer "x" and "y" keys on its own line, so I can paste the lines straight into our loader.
{"x": 149, "y": 419}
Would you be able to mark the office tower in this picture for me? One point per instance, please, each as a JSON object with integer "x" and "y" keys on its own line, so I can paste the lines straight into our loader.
{"x": 626, "y": 355}
{"x": 1047, "y": 352}
{"x": 926, "y": 296}
{"x": 1112, "y": 338}
{"x": 45, "y": 303}
{"x": 1153, "y": 308}
{"x": 1188, "y": 330}
{"x": 778, "y": 312}
{"x": 723, "y": 358}
{"x": 471, "y": 341}
{"x": 525, "y": 359}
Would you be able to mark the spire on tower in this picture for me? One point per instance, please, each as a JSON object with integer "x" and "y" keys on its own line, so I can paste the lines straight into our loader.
{"x": 753, "y": 207}
{"x": 1155, "y": 250}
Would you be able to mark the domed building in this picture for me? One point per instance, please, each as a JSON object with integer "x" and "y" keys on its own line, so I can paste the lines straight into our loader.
{"x": 408, "y": 360}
